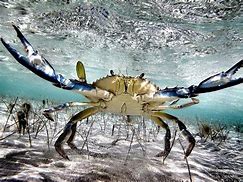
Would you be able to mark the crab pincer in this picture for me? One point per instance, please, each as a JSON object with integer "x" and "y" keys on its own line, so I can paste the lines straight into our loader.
{"x": 221, "y": 80}
{"x": 33, "y": 61}
{"x": 40, "y": 66}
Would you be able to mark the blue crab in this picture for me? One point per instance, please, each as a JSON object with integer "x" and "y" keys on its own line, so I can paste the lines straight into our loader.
{"x": 126, "y": 95}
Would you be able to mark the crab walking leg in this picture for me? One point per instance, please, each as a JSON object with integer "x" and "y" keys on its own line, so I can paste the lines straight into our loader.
{"x": 188, "y": 104}
{"x": 48, "y": 112}
{"x": 186, "y": 134}
{"x": 41, "y": 67}
{"x": 167, "y": 138}
{"x": 70, "y": 130}
{"x": 69, "y": 104}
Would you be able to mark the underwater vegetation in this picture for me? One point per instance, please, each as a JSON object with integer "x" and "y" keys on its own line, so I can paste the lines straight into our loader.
{"x": 109, "y": 143}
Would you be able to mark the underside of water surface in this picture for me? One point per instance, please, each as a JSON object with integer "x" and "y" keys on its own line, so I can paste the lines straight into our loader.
{"x": 175, "y": 43}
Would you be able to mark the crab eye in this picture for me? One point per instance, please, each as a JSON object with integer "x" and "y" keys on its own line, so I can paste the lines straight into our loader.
{"x": 142, "y": 75}
{"x": 112, "y": 72}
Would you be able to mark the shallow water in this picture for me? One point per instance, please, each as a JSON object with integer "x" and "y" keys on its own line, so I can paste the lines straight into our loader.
{"x": 173, "y": 42}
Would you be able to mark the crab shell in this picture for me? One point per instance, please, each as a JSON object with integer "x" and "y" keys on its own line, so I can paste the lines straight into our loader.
{"x": 126, "y": 94}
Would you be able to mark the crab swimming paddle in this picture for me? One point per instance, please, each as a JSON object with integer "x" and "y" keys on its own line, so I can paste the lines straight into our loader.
{"x": 80, "y": 71}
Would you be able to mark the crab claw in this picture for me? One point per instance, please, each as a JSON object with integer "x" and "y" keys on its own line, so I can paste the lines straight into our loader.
{"x": 41, "y": 67}
{"x": 220, "y": 81}
{"x": 213, "y": 83}
{"x": 33, "y": 61}
{"x": 28, "y": 47}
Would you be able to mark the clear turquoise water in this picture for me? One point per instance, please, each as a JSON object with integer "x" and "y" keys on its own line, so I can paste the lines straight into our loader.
{"x": 172, "y": 42}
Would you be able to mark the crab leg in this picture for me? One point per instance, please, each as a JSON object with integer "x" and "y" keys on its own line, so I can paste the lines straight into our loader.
{"x": 185, "y": 133}
{"x": 159, "y": 108}
{"x": 70, "y": 104}
{"x": 34, "y": 62}
{"x": 70, "y": 130}
{"x": 188, "y": 104}
{"x": 167, "y": 137}
{"x": 213, "y": 83}
{"x": 48, "y": 115}
{"x": 220, "y": 81}
{"x": 41, "y": 67}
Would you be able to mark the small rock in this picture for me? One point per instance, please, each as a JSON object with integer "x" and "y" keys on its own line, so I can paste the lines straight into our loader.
{"x": 59, "y": 164}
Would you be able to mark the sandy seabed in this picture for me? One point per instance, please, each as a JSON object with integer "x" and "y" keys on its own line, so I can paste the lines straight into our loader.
{"x": 111, "y": 150}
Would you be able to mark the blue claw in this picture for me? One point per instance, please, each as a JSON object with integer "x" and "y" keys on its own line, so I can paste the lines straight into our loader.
{"x": 176, "y": 92}
{"x": 220, "y": 81}
{"x": 24, "y": 41}
{"x": 34, "y": 62}
{"x": 40, "y": 66}
{"x": 216, "y": 82}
